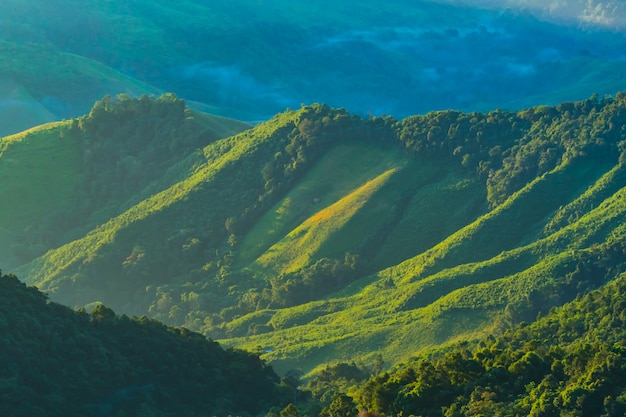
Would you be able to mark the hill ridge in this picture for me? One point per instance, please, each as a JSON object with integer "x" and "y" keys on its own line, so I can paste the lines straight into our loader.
{"x": 445, "y": 225}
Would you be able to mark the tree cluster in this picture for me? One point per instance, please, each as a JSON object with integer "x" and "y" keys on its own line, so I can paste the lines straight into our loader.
{"x": 59, "y": 362}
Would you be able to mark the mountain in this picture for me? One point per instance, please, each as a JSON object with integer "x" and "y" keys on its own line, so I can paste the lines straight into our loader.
{"x": 586, "y": 13}
{"x": 250, "y": 61}
{"x": 320, "y": 235}
{"x": 67, "y": 88}
{"x": 61, "y": 362}
{"x": 64, "y": 181}
{"x": 20, "y": 110}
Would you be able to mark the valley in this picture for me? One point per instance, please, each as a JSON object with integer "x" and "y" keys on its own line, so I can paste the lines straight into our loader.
{"x": 278, "y": 209}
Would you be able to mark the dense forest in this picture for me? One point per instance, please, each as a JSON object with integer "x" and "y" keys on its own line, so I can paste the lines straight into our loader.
{"x": 61, "y": 362}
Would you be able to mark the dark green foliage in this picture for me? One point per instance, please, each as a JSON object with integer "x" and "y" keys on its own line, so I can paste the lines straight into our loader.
{"x": 341, "y": 406}
{"x": 129, "y": 143}
{"x": 335, "y": 379}
{"x": 509, "y": 150}
{"x": 313, "y": 282}
{"x": 58, "y": 362}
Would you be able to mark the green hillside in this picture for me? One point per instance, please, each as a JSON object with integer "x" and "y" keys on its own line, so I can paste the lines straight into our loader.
{"x": 65, "y": 178}
{"x": 570, "y": 362}
{"x": 318, "y": 235}
{"x": 20, "y": 111}
{"x": 68, "y": 86}
{"x": 39, "y": 174}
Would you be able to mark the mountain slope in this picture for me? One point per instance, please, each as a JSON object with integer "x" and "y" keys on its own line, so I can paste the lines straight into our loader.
{"x": 65, "y": 178}
{"x": 319, "y": 235}
{"x": 67, "y": 88}
{"x": 20, "y": 110}
{"x": 569, "y": 362}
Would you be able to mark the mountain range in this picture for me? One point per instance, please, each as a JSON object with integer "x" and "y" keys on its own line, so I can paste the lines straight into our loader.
{"x": 319, "y": 234}
{"x": 444, "y": 236}
{"x": 249, "y": 61}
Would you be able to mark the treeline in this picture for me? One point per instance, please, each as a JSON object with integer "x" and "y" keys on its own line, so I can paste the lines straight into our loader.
{"x": 60, "y": 362}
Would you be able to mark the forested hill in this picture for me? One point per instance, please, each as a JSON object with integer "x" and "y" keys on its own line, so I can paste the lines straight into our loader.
{"x": 65, "y": 178}
{"x": 318, "y": 234}
{"x": 60, "y": 362}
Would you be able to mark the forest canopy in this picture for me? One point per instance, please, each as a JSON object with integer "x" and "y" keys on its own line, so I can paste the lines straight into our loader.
{"x": 60, "y": 362}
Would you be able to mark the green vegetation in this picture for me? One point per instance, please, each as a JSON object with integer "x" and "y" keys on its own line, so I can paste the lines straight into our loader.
{"x": 318, "y": 235}
{"x": 59, "y": 362}
{"x": 67, "y": 177}
{"x": 569, "y": 363}
{"x": 391, "y": 264}
{"x": 39, "y": 170}
{"x": 20, "y": 110}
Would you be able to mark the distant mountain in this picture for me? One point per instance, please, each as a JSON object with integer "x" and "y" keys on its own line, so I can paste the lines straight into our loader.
{"x": 319, "y": 235}
{"x": 586, "y": 13}
{"x": 249, "y": 61}
{"x": 19, "y": 110}
{"x": 59, "y": 362}
{"x": 41, "y": 83}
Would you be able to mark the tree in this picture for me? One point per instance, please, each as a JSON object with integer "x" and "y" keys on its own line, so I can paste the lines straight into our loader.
{"x": 290, "y": 411}
{"x": 341, "y": 406}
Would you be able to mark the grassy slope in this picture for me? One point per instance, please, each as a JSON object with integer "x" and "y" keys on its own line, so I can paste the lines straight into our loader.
{"x": 40, "y": 172}
{"x": 404, "y": 206}
{"x": 56, "y": 263}
{"x": 452, "y": 300}
{"x": 302, "y": 244}
{"x": 19, "y": 110}
{"x": 331, "y": 192}
{"x": 509, "y": 225}
{"x": 439, "y": 193}
{"x": 223, "y": 126}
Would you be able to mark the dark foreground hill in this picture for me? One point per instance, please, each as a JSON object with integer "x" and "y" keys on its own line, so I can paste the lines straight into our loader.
{"x": 60, "y": 362}
{"x": 319, "y": 235}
